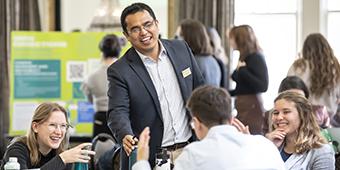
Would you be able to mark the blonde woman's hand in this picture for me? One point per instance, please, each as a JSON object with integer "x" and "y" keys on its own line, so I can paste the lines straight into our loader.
{"x": 277, "y": 136}
{"x": 77, "y": 154}
{"x": 240, "y": 126}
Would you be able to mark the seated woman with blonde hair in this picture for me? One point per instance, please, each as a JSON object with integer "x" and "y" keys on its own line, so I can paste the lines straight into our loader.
{"x": 45, "y": 144}
{"x": 296, "y": 133}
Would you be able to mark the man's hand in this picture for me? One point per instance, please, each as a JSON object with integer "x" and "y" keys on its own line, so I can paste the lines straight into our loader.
{"x": 143, "y": 145}
{"x": 240, "y": 126}
{"x": 128, "y": 142}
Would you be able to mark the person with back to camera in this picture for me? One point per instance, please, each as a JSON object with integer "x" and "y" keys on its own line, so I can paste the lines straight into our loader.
{"x": 195, "y": 34}
{"x": 149, "y": 85}
{"x": 221, "y": 145}
{"x": 45, "y": 144}
{"x": 251, "y": 77}
{"x": 96, "y": 85}
{"x": 220, "y": 56}
{"x": 320, "y": 70}
{"x": 297, "y": 135}
{"x": 216, "y": 43}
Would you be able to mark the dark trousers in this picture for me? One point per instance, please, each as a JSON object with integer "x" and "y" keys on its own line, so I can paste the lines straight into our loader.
{"x": 250, "y": 112}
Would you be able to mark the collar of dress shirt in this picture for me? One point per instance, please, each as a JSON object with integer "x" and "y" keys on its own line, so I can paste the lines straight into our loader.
{"x": 147, "y": 58}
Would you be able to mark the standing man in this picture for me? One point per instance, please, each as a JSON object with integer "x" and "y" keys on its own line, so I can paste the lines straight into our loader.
{"x": 149, "y": 85}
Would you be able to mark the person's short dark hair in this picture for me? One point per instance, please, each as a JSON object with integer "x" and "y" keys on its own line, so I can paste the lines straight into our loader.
{"x": 211, "y": 105}
{"x": 132, "y": 9}
{"x": 110, "y": 46}
{"x": 293, "y": 82}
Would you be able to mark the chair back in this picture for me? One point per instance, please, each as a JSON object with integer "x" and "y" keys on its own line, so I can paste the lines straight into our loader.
{"x": 102, "y": 143}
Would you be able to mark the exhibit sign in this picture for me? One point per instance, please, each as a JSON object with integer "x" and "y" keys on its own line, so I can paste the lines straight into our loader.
{"x": 50, "y": 67}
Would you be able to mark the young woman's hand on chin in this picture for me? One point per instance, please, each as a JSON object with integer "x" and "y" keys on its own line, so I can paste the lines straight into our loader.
{"x": 277, "y": 136}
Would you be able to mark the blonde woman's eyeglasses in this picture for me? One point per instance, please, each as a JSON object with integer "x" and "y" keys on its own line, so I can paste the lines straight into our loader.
{"x": 54, "y": 126}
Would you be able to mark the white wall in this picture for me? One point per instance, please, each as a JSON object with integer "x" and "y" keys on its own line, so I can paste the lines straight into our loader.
{"x": 77, "y": 14}
{"x": 313, "y": 19}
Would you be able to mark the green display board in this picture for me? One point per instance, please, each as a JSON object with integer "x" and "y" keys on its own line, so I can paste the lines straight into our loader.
{"x": 50, "y": 66}
{"x": 36, "y": 79}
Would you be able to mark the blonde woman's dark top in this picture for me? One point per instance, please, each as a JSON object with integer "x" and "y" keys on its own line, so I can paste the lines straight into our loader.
{"x": 47, "y": 162}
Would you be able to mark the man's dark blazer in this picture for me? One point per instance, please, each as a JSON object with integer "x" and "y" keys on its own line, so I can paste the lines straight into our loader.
{"x": 133, "y": 101}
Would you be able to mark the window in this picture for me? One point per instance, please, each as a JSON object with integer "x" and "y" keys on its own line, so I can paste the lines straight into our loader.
{"x": 275, "y": 25}
{"x": 333, "y": 26}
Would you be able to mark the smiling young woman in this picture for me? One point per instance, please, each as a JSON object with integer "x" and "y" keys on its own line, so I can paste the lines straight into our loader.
{"x": 297, "y": 135}
{"x": 45, "y": 144}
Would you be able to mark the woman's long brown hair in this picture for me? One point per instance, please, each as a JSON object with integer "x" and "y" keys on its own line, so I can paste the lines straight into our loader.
{"x": 245, "y": 40}
{"x": 324, "y": 66}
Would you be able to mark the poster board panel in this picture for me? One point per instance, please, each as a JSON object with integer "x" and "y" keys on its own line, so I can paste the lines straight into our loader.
{"x": 50, "y": 66}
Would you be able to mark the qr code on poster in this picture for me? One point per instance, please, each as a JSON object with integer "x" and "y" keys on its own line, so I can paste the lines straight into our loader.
{"x": 75, "y": 71}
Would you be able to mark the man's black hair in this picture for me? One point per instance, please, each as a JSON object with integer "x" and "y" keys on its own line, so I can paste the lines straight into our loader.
{"x": 132, "y": 9}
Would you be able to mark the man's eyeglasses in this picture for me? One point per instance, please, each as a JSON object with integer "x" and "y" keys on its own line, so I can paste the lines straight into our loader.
{"x": 54, "y": 126}
{"x": 146, "y": 26}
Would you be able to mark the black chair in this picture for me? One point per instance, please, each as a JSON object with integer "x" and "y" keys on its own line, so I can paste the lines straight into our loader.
{"x": 110, "y": 160}
{"x": 101, "y": 144}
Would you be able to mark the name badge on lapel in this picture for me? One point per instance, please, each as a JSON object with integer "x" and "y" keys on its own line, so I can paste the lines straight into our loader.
{"x": 186, "y": 72}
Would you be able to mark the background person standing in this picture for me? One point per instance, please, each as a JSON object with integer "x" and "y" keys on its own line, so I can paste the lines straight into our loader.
{"x": 251, "y": 77}
{"x": 96, "y": 85}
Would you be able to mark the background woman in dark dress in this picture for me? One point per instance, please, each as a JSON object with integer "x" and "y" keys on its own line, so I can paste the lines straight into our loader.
{"x": 251, "y": 77}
